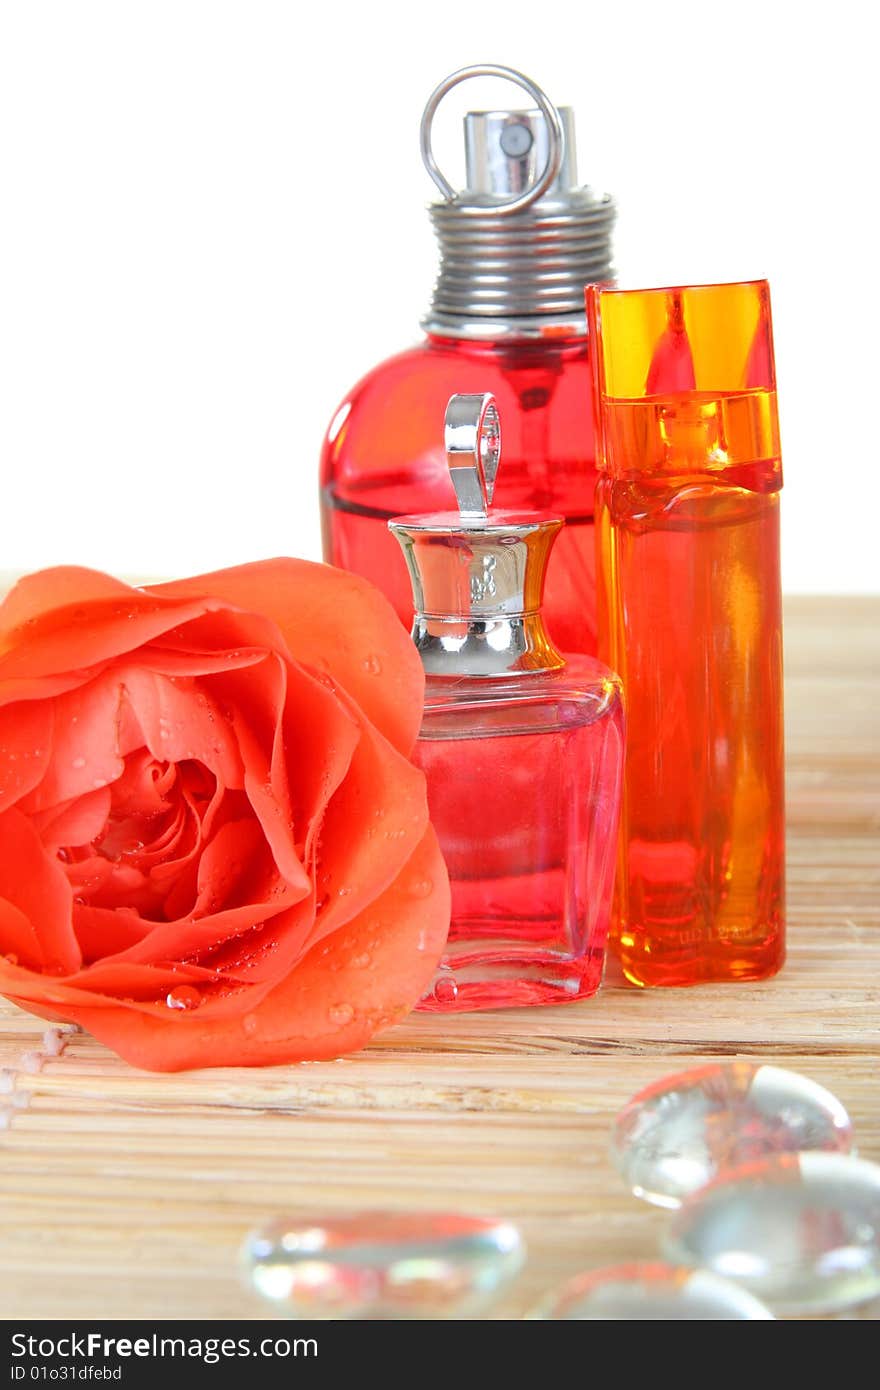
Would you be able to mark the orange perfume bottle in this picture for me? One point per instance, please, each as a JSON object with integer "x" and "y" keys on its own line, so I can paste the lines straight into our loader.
{"x": 687, "y": 526}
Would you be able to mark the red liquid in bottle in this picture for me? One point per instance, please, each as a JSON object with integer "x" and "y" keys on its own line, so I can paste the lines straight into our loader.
{"x": 524, "y": 792}
{"x": 383, "y": 456}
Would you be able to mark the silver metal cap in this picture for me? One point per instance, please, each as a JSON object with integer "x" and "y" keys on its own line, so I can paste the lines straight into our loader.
{"x": 507, "y": 151}
{"x": 520, "y": 242}
{"x": 478, "y": 575}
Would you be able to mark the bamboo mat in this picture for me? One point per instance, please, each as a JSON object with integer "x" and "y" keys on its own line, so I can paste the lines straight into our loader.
{"x": 124, "y": 1194}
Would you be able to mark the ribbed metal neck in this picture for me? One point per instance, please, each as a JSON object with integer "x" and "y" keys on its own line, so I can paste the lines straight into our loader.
{"x": 519, "y": 276}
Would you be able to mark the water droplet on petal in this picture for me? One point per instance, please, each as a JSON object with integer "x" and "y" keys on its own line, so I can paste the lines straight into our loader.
{"x": 362, "y": 961}
{"x": 800, "y": 1231}
{"x": 341, "y": 1013}
{"x": 78, "y": 762}
{"x": 383, "y": 1265}
{"x": 183, "y": 997}
{"x": 446, "y": 989}
{"x": 422, "y": 888}
{"x": 373, "y": 665}
{"x": 651, "y": 1293}
{"x": 677, "y": 1135}
{"x": 250, "y": 1023}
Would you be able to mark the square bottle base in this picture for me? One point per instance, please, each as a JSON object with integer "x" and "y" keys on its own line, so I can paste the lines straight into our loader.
{"x": 500, "y": 981}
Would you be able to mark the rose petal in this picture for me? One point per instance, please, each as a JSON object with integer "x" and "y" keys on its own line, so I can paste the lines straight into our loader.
{"x": 35, "y": 884}
{"x": 369, "y": 654}
{"x": 18, "y": 939}
{"x": 19, "y": 688}
{"x": 256, "y": 716}
{"x": 228, "y": 632}
{"x": 187, "y": 938}
{"x": 223, "y": 863}
{"x": 85, "y": 752}
{"x": 84, "y": 633}
{"x": 142, "y": 789}
{"x": 357, "y": 982}
{"x": 75, "y": 822}
{"x": 366, "y": 976}
{"x": 146, "y": 987}
{"x": 284, "y": 720}
{"x": 25, "y": 747}
{"x": 106, "y": 931}
{"x": 182, "y": 895}
{"x": 266, "y": 951}
{"x": 41, "y": 592}
{"x": 371, "y": 828}
{"x": 101, "y": 722}
{"x": 112, "y": 981}
{"x": 166, "y": 661}
{"x": 181, "y": 720}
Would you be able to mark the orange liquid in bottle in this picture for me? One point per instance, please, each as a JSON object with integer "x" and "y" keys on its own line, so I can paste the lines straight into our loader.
{"x": 690, "y": 617}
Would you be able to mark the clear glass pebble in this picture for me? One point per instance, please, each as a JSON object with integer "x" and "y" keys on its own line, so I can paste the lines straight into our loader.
{"x": 800, "y": 1231}
{"x": 651, "y": 1293}
{"x": 383, "y": 1264}
{"x": 677, "y": 1135}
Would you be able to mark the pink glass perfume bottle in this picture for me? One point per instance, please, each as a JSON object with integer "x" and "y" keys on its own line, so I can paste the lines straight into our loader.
{"x": 522, "y": 749}
{"x": 517, "y": 246}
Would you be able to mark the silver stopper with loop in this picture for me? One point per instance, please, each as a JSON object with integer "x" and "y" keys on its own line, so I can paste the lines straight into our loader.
{"x": 472, "y": 436}
{"x": 477, "y": 574}
{"x": 520, "y": 241}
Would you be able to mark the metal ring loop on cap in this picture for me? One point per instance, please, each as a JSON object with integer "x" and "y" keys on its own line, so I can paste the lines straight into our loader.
{"x": 555, "y": 143}
{"x": 472, "y": 438}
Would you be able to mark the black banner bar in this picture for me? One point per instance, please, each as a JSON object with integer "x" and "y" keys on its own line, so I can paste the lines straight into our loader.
{"x": 259, "y": 1354}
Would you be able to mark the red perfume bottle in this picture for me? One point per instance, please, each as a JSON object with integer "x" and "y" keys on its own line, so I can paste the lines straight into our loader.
{"x": 516, "y": 248}
{"x": 522, "y": 747}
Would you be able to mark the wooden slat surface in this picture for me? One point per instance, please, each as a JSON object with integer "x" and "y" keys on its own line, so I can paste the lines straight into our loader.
{"x": 124, "y": 1194}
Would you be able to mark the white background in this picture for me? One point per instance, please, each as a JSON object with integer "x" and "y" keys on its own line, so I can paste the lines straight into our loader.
{"x": 212, "y": 223}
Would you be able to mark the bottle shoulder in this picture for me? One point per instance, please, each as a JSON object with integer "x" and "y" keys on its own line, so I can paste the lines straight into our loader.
{"x": 581, "y": 692}
{"x": 436, "y": 368}
{"x": 439, "y": 359}
{"x": 384, "y": 446}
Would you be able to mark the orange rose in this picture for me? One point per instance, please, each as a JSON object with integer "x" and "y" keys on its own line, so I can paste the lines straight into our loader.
{"x": 214, "y": 850}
